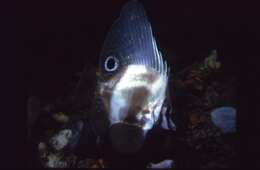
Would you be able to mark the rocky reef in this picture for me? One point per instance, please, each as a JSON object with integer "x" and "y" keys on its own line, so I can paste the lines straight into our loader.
{"x": 61, "y": 135}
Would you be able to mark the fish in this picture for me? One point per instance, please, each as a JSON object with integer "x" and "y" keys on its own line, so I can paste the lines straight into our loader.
{"x": 132, "y": 93}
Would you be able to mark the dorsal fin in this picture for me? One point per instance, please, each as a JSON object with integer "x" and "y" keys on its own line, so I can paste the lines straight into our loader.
{"x": 131, "y": 40}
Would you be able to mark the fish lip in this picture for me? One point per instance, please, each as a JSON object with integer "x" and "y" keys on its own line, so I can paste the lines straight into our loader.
{"x": 126, "y": 123}
{"x": 126, "y": 138}
{"x": 145, "y": 125}
{"x": 142, "y": 125}
{"x": 135, "y": 124}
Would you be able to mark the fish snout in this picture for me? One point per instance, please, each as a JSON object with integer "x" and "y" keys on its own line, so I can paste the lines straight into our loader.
{"x": 137, "y": 116}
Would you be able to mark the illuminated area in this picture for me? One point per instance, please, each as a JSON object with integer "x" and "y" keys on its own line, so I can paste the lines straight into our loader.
{"x": 139, "y": 93}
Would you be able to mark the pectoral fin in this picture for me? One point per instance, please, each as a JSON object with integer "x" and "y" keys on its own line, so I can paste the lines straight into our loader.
{"x": 166, "y": 122}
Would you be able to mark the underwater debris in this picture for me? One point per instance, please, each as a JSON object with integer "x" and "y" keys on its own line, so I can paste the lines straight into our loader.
{"x": 225, "y": 119}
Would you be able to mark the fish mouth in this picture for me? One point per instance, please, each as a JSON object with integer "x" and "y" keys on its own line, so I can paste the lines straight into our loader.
{"x": 126, "y": 138}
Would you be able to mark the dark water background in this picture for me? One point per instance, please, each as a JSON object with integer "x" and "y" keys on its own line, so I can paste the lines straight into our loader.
{"x": 59, "y": 38}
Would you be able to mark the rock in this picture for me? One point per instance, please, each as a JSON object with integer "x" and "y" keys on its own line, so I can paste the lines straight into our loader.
{"x": 162, "y": 164}
{"x": 71, "y": 160}
{"x": 54, "y": 161}
{"x": 196, "y": 119}
{"x": 42, "y": 146}
{"x": 211, "y": 61}
{"x": 225, "y": 119}
{"x": 76, "y": 134}
{"x": 61, "y": 139}
{"x": 61, "y": 117}
{"x": 67, "y": 137}
{"x": 91, "y": 163}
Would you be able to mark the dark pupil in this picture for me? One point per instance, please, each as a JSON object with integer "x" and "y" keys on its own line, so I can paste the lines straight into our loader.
{"x": 111, "y": 63}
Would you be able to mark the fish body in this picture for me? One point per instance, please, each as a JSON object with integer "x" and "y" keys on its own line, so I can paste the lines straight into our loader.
{"x": 132, "y": 81}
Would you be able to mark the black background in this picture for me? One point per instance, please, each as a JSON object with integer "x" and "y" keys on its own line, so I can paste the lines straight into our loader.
{"x": 55, "y": 39}
{"x": 59, "y": 38}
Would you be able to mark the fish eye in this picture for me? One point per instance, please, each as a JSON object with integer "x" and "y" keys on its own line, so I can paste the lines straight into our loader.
{"x": 111, "y": 63}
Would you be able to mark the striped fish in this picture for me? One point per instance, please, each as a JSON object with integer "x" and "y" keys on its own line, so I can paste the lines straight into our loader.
{"x": 132, "y": 82}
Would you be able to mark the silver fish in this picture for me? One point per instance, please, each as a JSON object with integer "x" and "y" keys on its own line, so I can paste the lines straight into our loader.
{"x": 132, "y": 82}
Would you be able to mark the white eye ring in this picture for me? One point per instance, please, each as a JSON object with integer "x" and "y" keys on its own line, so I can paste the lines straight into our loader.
{"x": 116, "y": 63}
